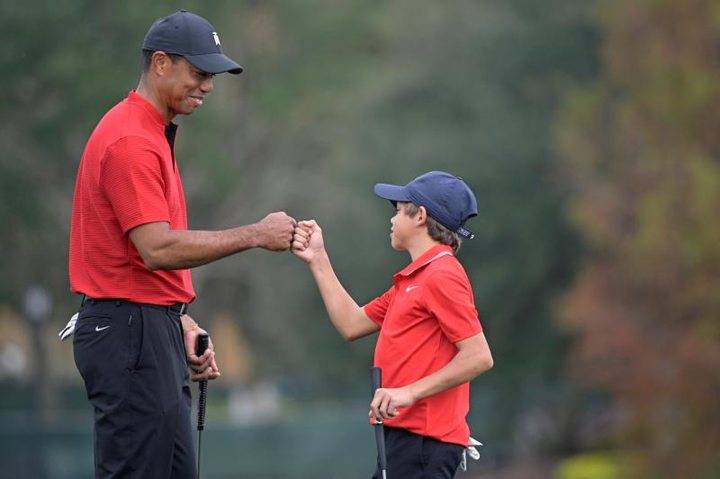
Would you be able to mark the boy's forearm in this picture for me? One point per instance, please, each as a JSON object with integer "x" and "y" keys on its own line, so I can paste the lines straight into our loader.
{"x": 464, "y": 367}
{"x": 339, "y": 304}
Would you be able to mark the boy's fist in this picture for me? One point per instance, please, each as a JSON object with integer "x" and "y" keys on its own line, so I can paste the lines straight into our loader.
{"x": 308, "y": 241}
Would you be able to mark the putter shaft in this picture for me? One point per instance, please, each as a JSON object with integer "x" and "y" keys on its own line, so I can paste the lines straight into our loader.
{"x": 376, "y": 374}
{"x": 202, "y": 344}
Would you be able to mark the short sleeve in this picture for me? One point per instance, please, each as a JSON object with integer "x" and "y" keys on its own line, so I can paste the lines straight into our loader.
{"x": 449, "y": 297}
{"x": 377, "y": 308}
{"x": 131, "y": 178}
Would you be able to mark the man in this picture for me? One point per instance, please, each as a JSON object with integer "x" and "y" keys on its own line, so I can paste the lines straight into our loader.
{"x": 431, "y": 342}
{"x": 130, "y": 251}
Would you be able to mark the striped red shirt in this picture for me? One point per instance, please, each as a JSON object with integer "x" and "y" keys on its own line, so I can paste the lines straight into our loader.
{"x": 127, "y": 177}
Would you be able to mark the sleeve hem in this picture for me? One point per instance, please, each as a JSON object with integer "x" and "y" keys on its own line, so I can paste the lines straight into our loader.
{"x": 144, "y": 221}
{"x": 371, "y": 316}
{"x": 467, "y": 335}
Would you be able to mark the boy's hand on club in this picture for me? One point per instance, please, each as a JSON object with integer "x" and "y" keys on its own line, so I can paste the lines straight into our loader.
{"x": 386, "y": 402}
{"x": 204, "y": 366}
{"x": 308, "y": 242}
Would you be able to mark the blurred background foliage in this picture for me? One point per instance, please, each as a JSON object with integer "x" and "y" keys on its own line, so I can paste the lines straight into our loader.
{"x": 588, "y": 130}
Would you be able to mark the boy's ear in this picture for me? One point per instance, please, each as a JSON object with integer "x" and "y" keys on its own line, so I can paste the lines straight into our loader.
{"x": 421, "y": 216}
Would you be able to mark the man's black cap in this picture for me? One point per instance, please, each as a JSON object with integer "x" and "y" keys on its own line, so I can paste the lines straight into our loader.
{"x": 184, "y": 33}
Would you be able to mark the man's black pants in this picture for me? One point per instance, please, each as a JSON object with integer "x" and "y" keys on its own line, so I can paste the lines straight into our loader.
{"x": 411, "y": 456}
{"x": 132, "y": 359}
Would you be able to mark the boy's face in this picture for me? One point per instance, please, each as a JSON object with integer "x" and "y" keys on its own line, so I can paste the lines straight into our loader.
{"x": 403, "y": 228}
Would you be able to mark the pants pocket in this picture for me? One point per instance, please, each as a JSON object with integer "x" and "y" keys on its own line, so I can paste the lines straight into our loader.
{"x": 136, "y": 330}
{"x": 104, "y": 349}
{"x": 443, "y": 459}
{"x": 93, "y": 343}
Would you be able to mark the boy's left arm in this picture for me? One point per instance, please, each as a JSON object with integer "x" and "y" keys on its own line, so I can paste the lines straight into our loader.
{"x": 472, "y": 359}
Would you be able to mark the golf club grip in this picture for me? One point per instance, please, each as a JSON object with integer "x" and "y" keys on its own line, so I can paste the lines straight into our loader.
{"x": 376, "y": 380}
{"x": 376, "y": 376}
{"x": 203, "y": 342}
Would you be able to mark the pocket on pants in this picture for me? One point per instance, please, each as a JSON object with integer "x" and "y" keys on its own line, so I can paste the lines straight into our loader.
{"x": 101, "y": 348}
{"x": 93, "y": 342}
{"x": 442, "y": 459}
{"x": 136, "y": 337}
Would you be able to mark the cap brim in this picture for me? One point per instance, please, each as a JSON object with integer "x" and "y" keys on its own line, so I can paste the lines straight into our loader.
{"x": 214, "y": 63}
{"x": 391, "y": 192}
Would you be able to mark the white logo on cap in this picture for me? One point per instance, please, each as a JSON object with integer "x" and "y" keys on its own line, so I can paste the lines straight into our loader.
{"x": 217, "y": 38}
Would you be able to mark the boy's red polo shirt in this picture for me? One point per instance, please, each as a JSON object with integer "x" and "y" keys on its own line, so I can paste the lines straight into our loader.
{"x": 428, "y": 309}
{"x": 127, "y": 177}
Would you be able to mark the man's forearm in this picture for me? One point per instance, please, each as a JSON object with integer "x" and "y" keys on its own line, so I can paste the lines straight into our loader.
{"x": 184, "y": 249}
{"x": 164, "y": 248}
{"x": 339, "y": 304}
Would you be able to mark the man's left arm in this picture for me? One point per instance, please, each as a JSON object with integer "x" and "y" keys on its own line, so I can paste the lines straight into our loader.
{"x": 472, "y": 359}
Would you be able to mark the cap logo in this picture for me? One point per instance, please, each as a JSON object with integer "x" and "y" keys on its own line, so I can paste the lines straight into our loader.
{"x": 216, "y": 38}
{"x": 464, "y": 232}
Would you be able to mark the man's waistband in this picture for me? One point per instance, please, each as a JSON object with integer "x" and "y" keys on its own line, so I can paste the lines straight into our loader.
{"x": 177, "y": 308}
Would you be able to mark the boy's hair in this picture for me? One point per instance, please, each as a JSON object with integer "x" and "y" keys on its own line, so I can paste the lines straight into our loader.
{"x": 436, "y": 231}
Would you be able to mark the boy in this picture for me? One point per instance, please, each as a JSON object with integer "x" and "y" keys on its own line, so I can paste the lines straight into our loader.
{"x": 431, "y": 342}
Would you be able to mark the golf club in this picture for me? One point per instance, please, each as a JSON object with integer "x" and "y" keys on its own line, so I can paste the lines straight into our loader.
{"x": 379, "y": 431}
{"x": 202, "y": 344}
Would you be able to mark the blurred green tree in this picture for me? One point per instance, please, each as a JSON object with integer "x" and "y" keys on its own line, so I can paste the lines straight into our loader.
{"x": 641, "y": 155}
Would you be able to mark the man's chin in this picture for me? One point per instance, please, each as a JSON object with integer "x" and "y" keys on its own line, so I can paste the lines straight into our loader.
{"x": 190, "y": 109}
{"x": 184, "y": 109}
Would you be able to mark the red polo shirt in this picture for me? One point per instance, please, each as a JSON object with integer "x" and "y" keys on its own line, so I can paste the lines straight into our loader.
{"x": 428, "y": 309}
{"x": 127, "y": 177}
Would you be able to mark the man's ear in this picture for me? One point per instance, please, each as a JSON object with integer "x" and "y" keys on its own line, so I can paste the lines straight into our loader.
{"x": 160, "y": 62}
{"x": 422, "y": 216}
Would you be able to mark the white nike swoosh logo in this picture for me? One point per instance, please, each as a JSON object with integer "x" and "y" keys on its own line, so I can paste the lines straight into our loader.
{"x": 98, "y": 328}
{"x": 410, "y": 288}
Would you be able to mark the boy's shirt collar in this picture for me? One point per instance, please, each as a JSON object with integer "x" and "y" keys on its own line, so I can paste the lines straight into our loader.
{"x": 426, "y": 258}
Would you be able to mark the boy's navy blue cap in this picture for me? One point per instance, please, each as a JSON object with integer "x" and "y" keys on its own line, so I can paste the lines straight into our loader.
{"x": 447, "y": 199}
{"x": 184, "y": 33}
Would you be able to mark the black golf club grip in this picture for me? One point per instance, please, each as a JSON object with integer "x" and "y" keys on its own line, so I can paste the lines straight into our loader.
{"x": 376, "y": 380}
{"x": 203, "y": 341}
{"x": 376, "y": 375}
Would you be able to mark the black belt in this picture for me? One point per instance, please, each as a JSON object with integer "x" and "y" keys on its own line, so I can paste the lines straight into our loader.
{"x": 177, "y": 308}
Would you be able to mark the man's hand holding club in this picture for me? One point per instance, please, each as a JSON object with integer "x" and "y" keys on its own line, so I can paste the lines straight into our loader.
{"x": 203, "y": 367}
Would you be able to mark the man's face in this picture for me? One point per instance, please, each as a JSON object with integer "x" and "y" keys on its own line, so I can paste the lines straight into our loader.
{"x": 183, "y": 87}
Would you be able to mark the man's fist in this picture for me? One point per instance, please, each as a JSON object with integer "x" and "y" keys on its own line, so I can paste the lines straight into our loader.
{"x": 275, "y": 231}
